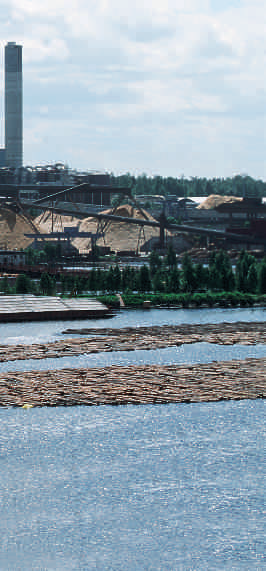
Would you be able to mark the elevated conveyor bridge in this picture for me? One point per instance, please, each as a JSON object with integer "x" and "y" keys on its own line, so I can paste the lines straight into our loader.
{"x": 54, "y": 204}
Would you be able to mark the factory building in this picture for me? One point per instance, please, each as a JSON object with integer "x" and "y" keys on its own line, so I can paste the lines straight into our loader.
{"x": 35, "y": 182}
{"x": 13, "y": 106}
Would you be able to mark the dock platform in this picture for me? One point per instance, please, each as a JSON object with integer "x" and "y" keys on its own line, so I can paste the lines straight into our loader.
{"x": 41, "y": 308}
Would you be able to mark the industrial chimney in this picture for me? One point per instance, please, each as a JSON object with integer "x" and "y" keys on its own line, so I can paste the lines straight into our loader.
{"x": 13, "y": 106}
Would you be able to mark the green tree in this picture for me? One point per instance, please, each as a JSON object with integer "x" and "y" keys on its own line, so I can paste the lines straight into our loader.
{"x": 173, "y": 285}
{"x": 214, "y": 278}
{"x": 144, "y": 279}
{"x": 239, "y": 185}
{"x": 171, "y": 257}
{"x": 23, "y": 284}
{"x": 126, "y": 279}
{"x": 158, "y": 282}
{"x": 220, "y": 271}
{"x": 201, "y": 276}
{"x": 262, "y": 277}
{"x": 117, "y": 278}
{"x": 50, "y": 250}
{"x": 109, "y": 283}
{"x": 63, "y": 283}
{"x": 224, "y": 267}
{"x": 100, "y": 279}
{"x": 252, "y": 279}
{"x": 70, "y": 282}
{"x": 79, "y": 284}
{"x": 244, "y": 262}
{"x": 30, "y": 256}
{"x": 155, "y": 262}
{"x": 188, "y": 274}
{"x": 133, "y": 283}
{"x": 92, "y": 281}
{"x": 5, "y": 287}
{"x": 47, "y": 284}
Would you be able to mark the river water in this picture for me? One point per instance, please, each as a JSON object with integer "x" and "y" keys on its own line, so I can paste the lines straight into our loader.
{"x": 193, "y": 353}
{"x": 175, "y": 487}
{"x": 41, "y": 332}
{"x": 132, "y": 488}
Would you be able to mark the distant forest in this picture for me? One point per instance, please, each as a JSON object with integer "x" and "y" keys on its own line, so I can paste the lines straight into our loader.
{"x": 240, "y": 185}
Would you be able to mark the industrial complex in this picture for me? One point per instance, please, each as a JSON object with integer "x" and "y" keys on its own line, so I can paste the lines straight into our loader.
{"x": 34, "y": 182}
{"x": 80, "y": 209}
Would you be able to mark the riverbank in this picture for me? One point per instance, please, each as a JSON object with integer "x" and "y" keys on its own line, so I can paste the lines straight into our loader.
{"x": 207, "y": 299}
{"x": 132, "y": 338}
{"x": 234, "y": 380}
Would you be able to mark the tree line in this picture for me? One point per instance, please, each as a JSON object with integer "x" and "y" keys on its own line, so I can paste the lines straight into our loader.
{"x": 239, "y": 185}
{"x": 161, "y": 275}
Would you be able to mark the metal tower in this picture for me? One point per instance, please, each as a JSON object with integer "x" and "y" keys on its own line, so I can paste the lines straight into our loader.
{"x": 13, "y": 106}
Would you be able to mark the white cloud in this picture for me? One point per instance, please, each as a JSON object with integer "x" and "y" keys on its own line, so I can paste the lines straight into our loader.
{"x": 147, "y": 72}
{"x": 37, "y": 50}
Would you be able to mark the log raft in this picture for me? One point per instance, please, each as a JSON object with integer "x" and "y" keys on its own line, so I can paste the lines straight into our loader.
{"x": 130, "y": 339}
{"x": 234, "y": 380}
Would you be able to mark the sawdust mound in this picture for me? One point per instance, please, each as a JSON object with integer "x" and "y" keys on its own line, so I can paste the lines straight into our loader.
{"x": 45, "y": 221}
{"x": 128, "y": 211}
{"x": 13, "y": 228}
{"x": 215, "y": 200}
{"x": 118, "y": 235}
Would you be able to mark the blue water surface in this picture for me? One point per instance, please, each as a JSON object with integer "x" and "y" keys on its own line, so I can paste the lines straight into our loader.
{"x": 160, "y": 487}
{"x": 44, "y": 331}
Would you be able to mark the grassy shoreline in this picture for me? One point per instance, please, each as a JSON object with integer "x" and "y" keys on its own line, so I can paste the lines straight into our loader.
{"x": 185, "y": 300}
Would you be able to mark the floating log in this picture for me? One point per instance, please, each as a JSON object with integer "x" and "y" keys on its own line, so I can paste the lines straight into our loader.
{"x": 131, "y": 339}
{"x": 234, "y": 380}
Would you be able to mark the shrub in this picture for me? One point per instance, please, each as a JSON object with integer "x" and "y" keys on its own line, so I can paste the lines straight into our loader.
{"x": 109, "y": 300}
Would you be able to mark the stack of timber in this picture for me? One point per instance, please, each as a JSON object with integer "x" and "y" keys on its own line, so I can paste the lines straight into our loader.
{"x": 33, "y": 308}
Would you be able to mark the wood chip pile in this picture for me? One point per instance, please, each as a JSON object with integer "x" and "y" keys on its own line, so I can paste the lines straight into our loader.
{"x": 215, "y": 200}
{"x": 13, "y": 226}
{"x": 45, "y": 221}
{"x": 118, "y": 235}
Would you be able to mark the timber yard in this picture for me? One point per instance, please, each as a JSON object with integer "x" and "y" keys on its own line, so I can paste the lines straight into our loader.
{"x": 93, "y": 233}
{"x": 132, "y": 296}
{"x": 82, "y": 247}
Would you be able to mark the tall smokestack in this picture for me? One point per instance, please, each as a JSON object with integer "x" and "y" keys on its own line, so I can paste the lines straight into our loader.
{"x": 13, "y": 105}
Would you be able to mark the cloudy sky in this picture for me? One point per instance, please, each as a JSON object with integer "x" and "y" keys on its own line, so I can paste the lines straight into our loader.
{"x": 166, "y": 87}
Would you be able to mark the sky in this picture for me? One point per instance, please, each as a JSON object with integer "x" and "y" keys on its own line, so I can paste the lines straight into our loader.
{"x": 162, "y": 87}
